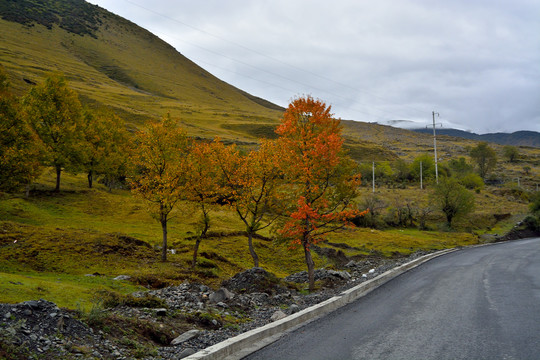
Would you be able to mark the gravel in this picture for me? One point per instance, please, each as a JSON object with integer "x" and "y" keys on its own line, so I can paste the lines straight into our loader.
{"x": 249, "y": 301}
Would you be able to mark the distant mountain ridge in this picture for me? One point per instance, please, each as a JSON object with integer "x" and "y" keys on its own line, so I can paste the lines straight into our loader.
{"x": 518, "y": 138}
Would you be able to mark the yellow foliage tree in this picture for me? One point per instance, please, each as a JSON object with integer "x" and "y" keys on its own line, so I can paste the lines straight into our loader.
{"x": 160, "y": 159}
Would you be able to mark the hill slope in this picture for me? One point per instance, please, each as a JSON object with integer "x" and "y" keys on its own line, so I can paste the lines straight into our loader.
{"x": 115, "y": 63}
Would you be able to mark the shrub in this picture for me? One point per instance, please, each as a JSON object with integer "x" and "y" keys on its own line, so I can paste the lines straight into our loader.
{"x": 472, "y": 181}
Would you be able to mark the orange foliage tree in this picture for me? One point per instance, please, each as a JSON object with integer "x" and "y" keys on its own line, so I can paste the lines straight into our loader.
{"x": 161, "y": 165}
{"x": 321, "y": 180}
{"x": 251, "y": 182}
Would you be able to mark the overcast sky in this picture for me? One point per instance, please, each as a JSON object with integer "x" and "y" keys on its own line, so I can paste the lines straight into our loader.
{"x": 475, "y": 62}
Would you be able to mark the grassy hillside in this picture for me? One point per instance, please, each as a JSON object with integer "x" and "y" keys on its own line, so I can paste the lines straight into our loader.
{"x": 125, "y": 68}
{"x": 51, "y": 242}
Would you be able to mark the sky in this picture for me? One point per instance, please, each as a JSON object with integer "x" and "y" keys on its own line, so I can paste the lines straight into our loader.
{"x": 475, "y": 63}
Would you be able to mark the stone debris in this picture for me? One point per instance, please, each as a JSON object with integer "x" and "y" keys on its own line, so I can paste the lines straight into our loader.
{"x": 253, "y": 297}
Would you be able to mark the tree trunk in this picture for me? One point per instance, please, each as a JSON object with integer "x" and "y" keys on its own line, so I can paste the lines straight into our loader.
{"x": 195, "y": 251}
{"x": 27, "y": 190}
{"x": 252, "y": 250}
{"x": 311, "y": 268}
{"x": 90, "y": 178}
{"x": 58, "y": 172}
{"x": 164, "y": 249}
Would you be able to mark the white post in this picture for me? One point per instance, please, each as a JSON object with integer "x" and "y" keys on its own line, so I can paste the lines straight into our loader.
{"x": 421, "y": 187}
{"x": 373, "y": 175}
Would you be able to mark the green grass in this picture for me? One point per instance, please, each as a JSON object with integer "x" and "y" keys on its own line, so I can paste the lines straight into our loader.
{"x": 50, "y": 241}
{"x": 66, "y": 290}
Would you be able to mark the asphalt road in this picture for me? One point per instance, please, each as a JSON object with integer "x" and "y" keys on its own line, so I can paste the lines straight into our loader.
{"x": 476, "y": 303}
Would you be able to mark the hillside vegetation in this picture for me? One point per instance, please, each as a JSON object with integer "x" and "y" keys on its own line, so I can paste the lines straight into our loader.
{"x": 51, "y": 242}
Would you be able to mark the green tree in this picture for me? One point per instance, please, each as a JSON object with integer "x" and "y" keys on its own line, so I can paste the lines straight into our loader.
{"x": 161, "y": 165}
{"x": 484, "y": 157}
{"x": 104, "y": 149}
{"x": 321, "y": 180}
{"x": 19, "y": 146}
{"x": 459, "y": 167}
{"x": 55, "y": 114}
{"x": 511, "y": 153}
{"x": 401, "y": 170}
{"x": 428, "y": 167}
{"x": 452, "y": 199}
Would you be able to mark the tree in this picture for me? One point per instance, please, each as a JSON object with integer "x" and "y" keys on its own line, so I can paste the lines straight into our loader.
{"x": 252, "y": 182}
{"x": 204, "y": 185}
{"x": 452, "y": 199}
{"x": 428, "y": 167}
{"x": 55, "y": 114}
{"x": 459, "y": 167}
{"x": 511, "y": 153}
{"x": 401, "y": 170}
{"x": 321, "y": 180}
{"x": 19, "y": 146}
{"x": 484, "y": 157}
{"x": 104, "y": 151}
{"x": 160, "y": 159}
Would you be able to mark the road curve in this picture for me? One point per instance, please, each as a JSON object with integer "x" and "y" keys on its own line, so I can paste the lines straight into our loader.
{"x": 476, "y": 303}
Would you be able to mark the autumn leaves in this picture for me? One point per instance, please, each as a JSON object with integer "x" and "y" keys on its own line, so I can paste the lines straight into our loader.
{"x": 302, "y": 184}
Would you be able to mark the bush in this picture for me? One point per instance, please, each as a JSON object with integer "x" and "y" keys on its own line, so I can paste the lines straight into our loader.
{"x": 532, "y": 223}
{"x": 472, "y": 181}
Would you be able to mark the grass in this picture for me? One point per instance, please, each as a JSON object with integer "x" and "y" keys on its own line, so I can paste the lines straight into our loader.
{"x": 66, "y": 290}
{"x": 49, "y": 242}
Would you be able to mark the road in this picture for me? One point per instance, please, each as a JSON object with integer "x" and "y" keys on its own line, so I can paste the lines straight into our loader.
{"x": 475, "y": 303}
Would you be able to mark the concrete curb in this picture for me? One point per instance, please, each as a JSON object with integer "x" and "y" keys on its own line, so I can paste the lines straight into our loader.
{"x": 244, "y": 344}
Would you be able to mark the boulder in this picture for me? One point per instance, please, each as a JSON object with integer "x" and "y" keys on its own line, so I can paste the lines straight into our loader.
{"x": 188, "y": 335}
{"x": 122, "y": 277}
{"x": 293, "y": 309}
{"x": 253, "y": 280}
{"x": 220, "y": 295}
{"x": 186, "y": 352}
{"x": 278, "y": 315}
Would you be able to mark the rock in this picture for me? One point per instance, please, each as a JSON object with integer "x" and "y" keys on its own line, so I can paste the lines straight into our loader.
{"x": 340, "y": 274}
{"x": 350, "y": 264}
{"x": 253, "y": 280}
{"x": 188, "y": 335}
{"x": 221, "y": 295}
{"x": 278, "y": 315}
{"x": 186, "y": 352}
{"x": 161, "y": 312}
{"x": 122, "y": 277}
{"x": 294, "y": 308}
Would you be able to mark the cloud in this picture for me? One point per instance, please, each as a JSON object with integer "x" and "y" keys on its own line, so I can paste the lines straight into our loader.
{"x": 475, "y": 62}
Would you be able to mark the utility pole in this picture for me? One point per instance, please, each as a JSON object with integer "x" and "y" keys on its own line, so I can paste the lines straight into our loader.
{"x": 435, "y": 146}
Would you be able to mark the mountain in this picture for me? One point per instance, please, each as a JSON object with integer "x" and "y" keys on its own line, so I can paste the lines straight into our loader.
{"x": 114, "y": 63}
{"x": 518, "y": 138}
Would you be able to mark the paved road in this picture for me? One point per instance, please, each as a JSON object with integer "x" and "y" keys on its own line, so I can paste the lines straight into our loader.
{"x": 476, "y": 303}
